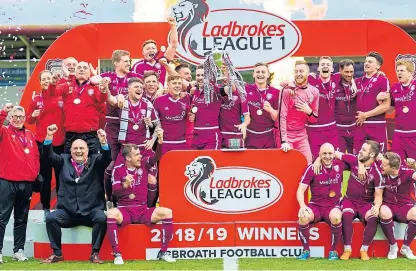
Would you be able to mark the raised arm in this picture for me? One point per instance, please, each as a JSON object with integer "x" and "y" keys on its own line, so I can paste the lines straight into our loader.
{"x": 156, "y": 157}
{"x": 104, "y": 159}
{"x": 48, "y": 153}
{"x": 32, "y": 113}
{"x": 173, "y": 39}
{"x": 3, "y": 115}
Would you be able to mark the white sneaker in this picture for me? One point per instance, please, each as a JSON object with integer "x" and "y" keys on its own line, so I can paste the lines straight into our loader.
{"x": 118, "y": 259}
{"x": 408, "y": 253}
{"x": 393, "y": 252}
{"x": 165, "y": 256}
{"x": 20, "y": 256}
{"x": 1, "y": 258}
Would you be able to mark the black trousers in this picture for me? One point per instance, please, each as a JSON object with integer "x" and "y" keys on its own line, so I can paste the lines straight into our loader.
{"x": 62, "y": 219}
{"x": 15, "y": 195}
{"x": 46, "y": 172}
{"x": 91, "y": 138}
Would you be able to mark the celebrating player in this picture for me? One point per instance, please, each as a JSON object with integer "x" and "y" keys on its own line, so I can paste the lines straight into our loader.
{"x": 172, "y": 111}
{"x": 363, "y": 198}
{"x": 324, "y": 205}
{"x": 345, "y": 106}
{"x": 263, "y": 102}
{"x": 324, "y": 129}
{"x": 151, "y": 85}
{"x": 404, "y": 137}
{"x": 370, "y": 119}
{"x": 207, "y": 134}
{"x": 296, "y": 110}
{"x": 398, "y": 203}
{"x": 150, "y": 61}
{"x": 129, "y": 181}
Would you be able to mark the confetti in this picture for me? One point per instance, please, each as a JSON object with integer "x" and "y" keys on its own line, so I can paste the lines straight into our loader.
{"x": 42, "y": 37}
{"x": 21, "y": 49}
{"x": 79, "y": 16}
{"x": 33, "y": 40}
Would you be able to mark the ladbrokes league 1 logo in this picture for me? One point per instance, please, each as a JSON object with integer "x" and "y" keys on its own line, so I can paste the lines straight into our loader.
{"x": 248, "y": 35}
{"x": 230, "y": 190}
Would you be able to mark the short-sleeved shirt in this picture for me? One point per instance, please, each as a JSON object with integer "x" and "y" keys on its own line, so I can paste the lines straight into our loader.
{"x": 173, "y": 115}
{"x": 139, "y": 186}
{"x": 326, "y": 99}
{"x": 403, "y": 96}
{"x": 137, "y": 113}
{"x": 231, "y": 112}
{"x": 358, "y": 190}
{"x": 118, "y": 85}
{"x": 256, "y": 98}
{"x": 142, "y": 65}
{"x": 207, "y": 114}
{"x": 368, "y": 89}
{"x": 321, "y": 185}
{"x": 400, "y": 190}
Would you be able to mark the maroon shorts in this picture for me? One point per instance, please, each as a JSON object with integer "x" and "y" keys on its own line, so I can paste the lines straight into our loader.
{"x": 318, "y": 136}
{"x": 346, "y": 139}
{"x": 370, "y": 131}
{"x": 404, "y": 144}
{"x": 136, "y": 215}
{"x": 357, "y": 207}
{"x": 321, "y": 213}
{"x": 399, "y": 211}
{"x": 166, "y": 147}
{"x": 260, "y": 141}
{"x": 112, "y": 130}
{"x": 206, "y": 139}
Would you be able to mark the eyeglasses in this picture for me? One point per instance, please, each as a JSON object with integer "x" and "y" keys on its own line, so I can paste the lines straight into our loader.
{"x": 18, "y": 117}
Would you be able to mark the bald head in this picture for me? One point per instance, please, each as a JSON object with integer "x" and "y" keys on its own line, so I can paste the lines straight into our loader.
{"x": 326, "y": 147}
{"x": 79, "y": 151}
{"x": 327, "y": 154}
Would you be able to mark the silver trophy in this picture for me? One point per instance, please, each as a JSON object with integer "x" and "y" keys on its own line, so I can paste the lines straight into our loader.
{"x": 219, "y": 71}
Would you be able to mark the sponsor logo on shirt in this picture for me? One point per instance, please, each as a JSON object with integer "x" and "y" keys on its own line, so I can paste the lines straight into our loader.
{"x": 230, "y": 190}
{"x": 248, "y": 35}
{"x": 91, "y": 91}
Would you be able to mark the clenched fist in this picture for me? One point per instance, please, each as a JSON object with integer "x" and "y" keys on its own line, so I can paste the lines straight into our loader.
{"x": 102, "y": 136}
{"x": 51, "y": 130}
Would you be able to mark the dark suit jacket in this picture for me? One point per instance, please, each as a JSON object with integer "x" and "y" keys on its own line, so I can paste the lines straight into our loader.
{"x": 88, "y": 193}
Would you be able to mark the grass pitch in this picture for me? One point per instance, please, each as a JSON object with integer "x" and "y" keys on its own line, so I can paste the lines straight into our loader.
{"x": 217, "y": 264}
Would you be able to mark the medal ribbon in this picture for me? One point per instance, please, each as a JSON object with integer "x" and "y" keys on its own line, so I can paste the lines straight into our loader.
{"x": 363, "y": 90}
{"x": 122, "y": 86}
{"x": 406, "y": 90}
{"x": 80, "y": 89}
{"x": 133, "y": 110}
{"x": 78, "y": 168}
{"x": 135, "y": 174}
{"x": 329, "y": 175}
{"x": 262, "y": 97}
{"x": 23, "y": 138}
{"x": 327, "y": 92}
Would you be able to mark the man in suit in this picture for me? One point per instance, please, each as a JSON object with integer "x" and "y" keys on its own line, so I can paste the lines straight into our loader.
{"x": 81, "y": 193}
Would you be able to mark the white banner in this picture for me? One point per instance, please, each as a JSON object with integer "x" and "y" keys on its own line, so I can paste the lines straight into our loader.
{"x": 235, "y": 252}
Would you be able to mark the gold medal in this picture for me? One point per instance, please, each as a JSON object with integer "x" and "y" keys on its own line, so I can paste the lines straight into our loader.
{"x": 132, "y": 196}
{"x": 331, "y": 194}
{"x": 27, "y": 151}
{"x": 259, "y": 112}
{"x": 194, "y": 109}
{"x": 135, "y": 127}
{"x": 77, "y": 101}
{"x": 405, "y": 109}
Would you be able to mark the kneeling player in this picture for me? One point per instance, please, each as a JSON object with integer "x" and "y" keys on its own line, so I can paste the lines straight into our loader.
{"x": 129, "y": 181}
{"x": 324, "y": 205}
{"x": 397, "y": 204}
